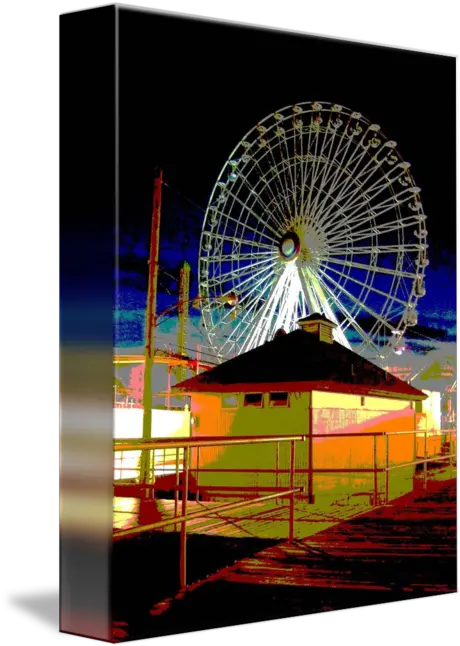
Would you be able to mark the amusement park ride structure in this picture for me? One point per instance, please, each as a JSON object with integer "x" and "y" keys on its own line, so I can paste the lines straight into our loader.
{"x": 314, "y": 211}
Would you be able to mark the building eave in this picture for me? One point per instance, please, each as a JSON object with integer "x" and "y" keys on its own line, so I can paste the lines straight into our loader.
{"x": 303, "y": 386}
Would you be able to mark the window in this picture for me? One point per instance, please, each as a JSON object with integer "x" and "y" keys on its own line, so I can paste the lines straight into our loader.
{"x": 279, "y": 399}
{"x": 253, "y": 399}
{"x": 363, "y": 401}
{"x": 230, "y": 401}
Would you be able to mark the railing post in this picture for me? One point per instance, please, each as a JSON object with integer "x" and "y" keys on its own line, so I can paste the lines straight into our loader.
{"x": 277, "y": 466}
{"x": 451, "y": 450}
{"x": 387, "y": 464}
{"x": 197, "y": 472}
{"x": 176, "y": 488}
{"x": 311, "y": 497}
{"x": 376, "y": 493}
{"x": 291, "y": 486}
{"x": 183, "y": 531}
{"x": 425, "y": 463}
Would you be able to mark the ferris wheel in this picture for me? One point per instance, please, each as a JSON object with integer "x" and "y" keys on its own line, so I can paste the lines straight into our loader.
{"x": 314, "y": 211}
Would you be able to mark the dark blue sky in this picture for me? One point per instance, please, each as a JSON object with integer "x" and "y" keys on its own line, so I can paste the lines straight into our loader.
{"x": 191, "y": 89}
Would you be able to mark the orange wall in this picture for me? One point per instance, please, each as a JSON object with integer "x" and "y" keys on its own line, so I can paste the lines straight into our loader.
{"x": 331, "y": 413}
{"x": 211, "y": 419}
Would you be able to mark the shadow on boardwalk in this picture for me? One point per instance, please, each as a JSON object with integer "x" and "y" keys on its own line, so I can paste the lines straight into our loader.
{"x": 404, "y": 550}
{"x": 396, "y": 560}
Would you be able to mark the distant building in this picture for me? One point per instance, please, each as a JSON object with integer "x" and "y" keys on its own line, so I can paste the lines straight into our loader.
{"x": 303, "y": 382}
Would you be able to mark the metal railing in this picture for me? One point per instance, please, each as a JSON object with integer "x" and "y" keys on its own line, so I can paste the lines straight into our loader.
{"x": 187, "y": 444}
{"x": 182, "y": 447}
{"x": 169, "y": 465}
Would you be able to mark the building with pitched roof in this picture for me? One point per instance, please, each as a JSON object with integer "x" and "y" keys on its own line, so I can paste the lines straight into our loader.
{"x": 303, "y": 382}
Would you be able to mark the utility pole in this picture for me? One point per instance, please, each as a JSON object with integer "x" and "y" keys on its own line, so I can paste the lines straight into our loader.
{"x": 150, "y": 324}
{"x": 183, "y": 310}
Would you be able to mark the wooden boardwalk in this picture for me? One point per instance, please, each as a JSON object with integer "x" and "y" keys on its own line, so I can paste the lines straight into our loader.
{"x": 266, "y": 520}
{"x": 404, "y": 550}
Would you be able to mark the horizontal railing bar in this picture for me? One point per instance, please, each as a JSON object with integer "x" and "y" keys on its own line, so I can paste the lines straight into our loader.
{"x": 344, "y": 470}
{"x": 165, "y": 443}
{"x": 331, "y": 470}
{"x": 432, "y": 459}
{"x": 205, "y": 488}
{"x": 202, "y": 513}
{"x": 378, "y": 434}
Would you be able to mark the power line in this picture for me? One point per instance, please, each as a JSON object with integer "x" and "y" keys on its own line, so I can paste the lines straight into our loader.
{"x": 184, "y": 197}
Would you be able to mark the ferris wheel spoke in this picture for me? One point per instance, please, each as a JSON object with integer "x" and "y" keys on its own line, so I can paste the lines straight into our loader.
{"x": 283, "y": 312}
{"x": 255, "y": 292}
{"x": 337, "y": 250}
{"x": 335, "y": 171}
{"x": 360, "y": 216}
{"x": 288, "y": 309}
{"x": 259, "y": 219}
{"x": 243, "y": 256}
{"x": 325, "y": 307}
{"x": 308, "y": 169}
{"x": 351, "y": 321}
{"x": 287, "y": 165}
{"x": 295, "y": 305}
{"x": 297, "y": 169}
{"x": 374, "y": 268}
{"x": 265, "y": 316}
{"x": 335, "y": 177}
{"x": 276, "y": 173}
{"x": 367, "y": 286}
{"x": 313, "y": 173}
{"x": 357, "y": 158}
{"x": 248, "y": 280}
{"x": 319, "y": 165}
{"x": 260, "y": 233}
{"x": 325, "y": 172}
{"x": 352, "y": 177}
{"x": 354, "y": 232}
{"x": 288, "y": 221}
{"x": 249, "y": 243}
{"x": 311, "y": 297}
{"x": 265, "y": 319}
{"x": 352, "y": 297}
{"x": 329, "y": 167}
{"x": 239, "y": 271}
{"x": 301, "y": 171}
{"x": 353, "y": 212}
{"x": 250, "y": 340}
{"x": 279, "y": 215}
{"x": 263, "y": 177}
{"x": 249, "y": 309}
{"x": 253, "y": 193}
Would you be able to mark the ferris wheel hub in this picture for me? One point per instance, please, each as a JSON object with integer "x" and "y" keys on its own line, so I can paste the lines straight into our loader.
{"x": 289, "y": 246}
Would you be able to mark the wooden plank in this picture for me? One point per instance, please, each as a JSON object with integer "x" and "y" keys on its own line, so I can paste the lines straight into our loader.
{"x": 406, "y": 549}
